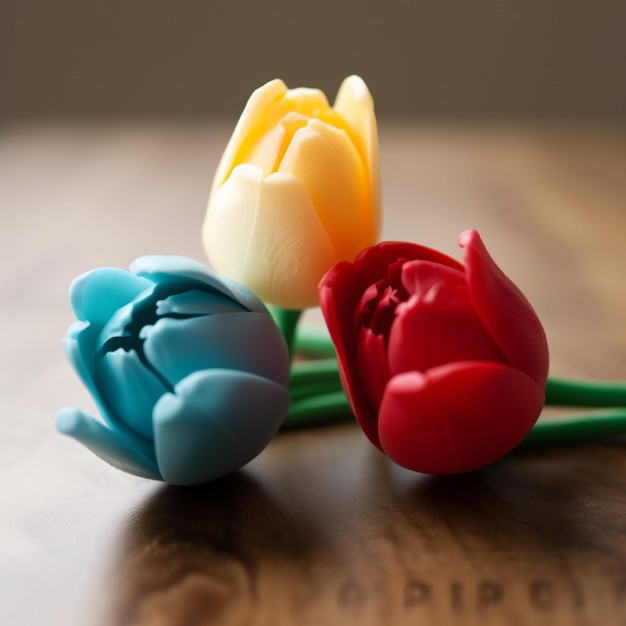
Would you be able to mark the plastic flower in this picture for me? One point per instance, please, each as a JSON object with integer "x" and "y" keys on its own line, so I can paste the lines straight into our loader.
{"x": 296, "y": 191}
{"x": 444, "y": 365}
{"x": 188, "y": 370}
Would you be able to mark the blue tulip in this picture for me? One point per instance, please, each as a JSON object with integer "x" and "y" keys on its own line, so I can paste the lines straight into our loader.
{"x": 187, "y": 368}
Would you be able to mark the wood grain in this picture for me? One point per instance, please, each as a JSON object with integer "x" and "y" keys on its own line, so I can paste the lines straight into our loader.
{"x": 321, "y": 527}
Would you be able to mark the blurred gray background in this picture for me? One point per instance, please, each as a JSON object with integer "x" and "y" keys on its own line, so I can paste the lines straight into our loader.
{"x": 532, "y": 61}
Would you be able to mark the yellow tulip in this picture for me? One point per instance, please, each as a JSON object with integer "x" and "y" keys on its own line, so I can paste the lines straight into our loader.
{"x": 296, "y": 191}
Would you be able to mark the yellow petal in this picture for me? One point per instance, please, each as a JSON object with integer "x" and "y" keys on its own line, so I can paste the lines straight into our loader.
{"x": 327, "y": 164}
{"x": 261, "y": 113}
{"x": 264, "y": 233}
{"x": 306, "y": 101}
{"x": 354, "y": 102}
{"x": 268, "y": 151}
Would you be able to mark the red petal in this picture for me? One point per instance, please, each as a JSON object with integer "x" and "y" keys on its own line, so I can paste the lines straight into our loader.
{"x": 505, "y": 311}
{"x": 426, "y": 279}
{"x": 438, "y": 324}
{"x": 458, "y": 417}
{"x": 339, "y": 294}
{"x": 373, "y": 367}
{"x": 428, "y": 335}
{"x": 371, "y": 264}
{"x": 365, "y": 308}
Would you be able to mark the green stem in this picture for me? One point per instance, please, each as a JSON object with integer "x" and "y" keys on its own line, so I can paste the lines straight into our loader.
{"x": 318, "y": 377}
{"x": 305, "y": 372}
{"x": 317, "y": 410}
{"x": 313, "y": 389}
{"x": 287, "y": 322}
{"x": 314, "y": 341}
{"x": 583, "y": 428}
{"x": 562, "y": 392}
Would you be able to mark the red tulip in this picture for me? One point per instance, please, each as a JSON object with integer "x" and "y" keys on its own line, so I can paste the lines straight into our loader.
{"x": 444, "y": 364}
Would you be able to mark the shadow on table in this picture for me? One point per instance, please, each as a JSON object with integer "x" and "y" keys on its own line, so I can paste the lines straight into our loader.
{"x": 545, "y": 500}
{"x": 204, "y": 554}
{"x": 191, "y": 555}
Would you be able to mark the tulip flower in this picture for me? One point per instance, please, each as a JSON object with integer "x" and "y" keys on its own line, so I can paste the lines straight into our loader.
{"x": 188, "y": 370}
{"x": 444, "y": 365}
{"x": 296, "y": 191}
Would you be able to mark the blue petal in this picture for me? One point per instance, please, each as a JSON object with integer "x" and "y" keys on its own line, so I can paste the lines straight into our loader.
{"x": 250, "y": 342}
{"x": 164, "y": 269}
{"x": 197, "y": 302}
{"x": 79, "y": 347}
{"x": 214, "y": 423}
{"x": 79, "y": 344}
{"x": 96, "y": 295}
{"x": 117, "y": 326}
{"x": 113, "y": 447}
{"x": 130, "y": 388}
{"x": 126, "y": 316}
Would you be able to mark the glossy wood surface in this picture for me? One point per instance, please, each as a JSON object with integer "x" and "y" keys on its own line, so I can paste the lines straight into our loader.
{"x": 320, "y": 528}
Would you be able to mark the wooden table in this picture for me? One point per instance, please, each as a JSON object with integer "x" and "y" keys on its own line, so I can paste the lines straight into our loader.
{"x": 321, "y": 528}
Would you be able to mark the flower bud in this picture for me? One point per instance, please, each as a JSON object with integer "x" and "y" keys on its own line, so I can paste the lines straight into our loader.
{"x": 444, "y": 364}
{"x": 297, "y": 190}
{"x": 188, "y": 370}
